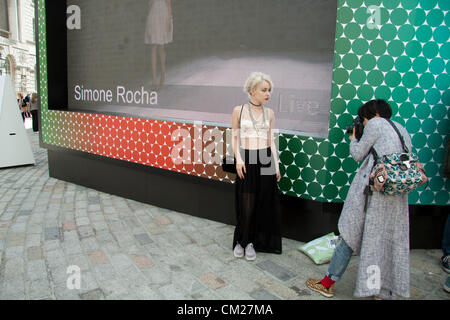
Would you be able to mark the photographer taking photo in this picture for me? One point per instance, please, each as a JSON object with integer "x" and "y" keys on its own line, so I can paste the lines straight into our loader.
{"x": 378, "y": 233}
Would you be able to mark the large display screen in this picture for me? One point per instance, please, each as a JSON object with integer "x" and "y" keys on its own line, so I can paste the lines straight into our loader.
{"x": 187, "y": 60}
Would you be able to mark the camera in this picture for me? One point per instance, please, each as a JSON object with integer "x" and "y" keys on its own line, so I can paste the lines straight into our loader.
{"x": 359, "y": 128}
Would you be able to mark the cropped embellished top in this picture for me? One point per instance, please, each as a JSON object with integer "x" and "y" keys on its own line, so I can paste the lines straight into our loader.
{"x": 252, "y": 127}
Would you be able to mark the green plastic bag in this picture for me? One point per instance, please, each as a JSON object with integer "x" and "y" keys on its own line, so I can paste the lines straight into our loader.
{"x": 321, "y": 249}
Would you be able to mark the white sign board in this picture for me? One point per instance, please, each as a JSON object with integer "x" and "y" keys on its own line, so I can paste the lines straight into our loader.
{"x": 15, "y": 148}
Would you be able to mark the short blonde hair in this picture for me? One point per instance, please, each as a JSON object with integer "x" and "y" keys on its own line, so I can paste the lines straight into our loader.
{"x": 255, "y": 79}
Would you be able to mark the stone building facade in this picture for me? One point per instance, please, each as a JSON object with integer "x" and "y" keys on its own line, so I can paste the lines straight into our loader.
{"x": 17, "y": 44}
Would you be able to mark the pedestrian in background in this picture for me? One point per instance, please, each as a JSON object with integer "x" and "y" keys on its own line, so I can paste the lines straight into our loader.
{"x": 34, "y": 111}
{"x": 26, "y": 105}
{"x": 19, "y": 103}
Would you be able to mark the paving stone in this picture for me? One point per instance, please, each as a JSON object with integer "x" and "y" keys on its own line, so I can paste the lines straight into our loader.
{"x": 99, "y": 226}
{"x": 96, "y": 294}
{"x": 72, "y": 248}
{"x": 63, "y": 293}
{"x": 175, "y": 268}
{"x": 52, "y": 245}
{"x": 276, "y": 270}
{"x": 104, "y": 237}
{"x": 3, "y": 232}
{"x": 56, "y": 262}
{"x": 113, "y": 288}
{"x": 277, "y": 288}
{"x": 143, "y": 239}
{"x": 13, "y": 267}
{"x": 301, "y": 292}
{"x": 263, "y": 295}
{"x": 52, "y": 234}
{"x": 71, "y": 237}
{"x": 34, "y": 228}
{"x": 69, "y": 226}
{"x": 133, "y": 277}
{"x": 172, "y": 292}
{"x": 154, "y": 229}
{"x": 14, "y": 286}
{"x": 92, "y": 200}
{"x": 163, "y": 220}
{"x": 59, "y": 275}
{"x": 13, "y": 252}
{"x": 111, "y": 248}
{"x": 88, "y": 282}
{"x": 98, "y": 257}
{"x": 86, "y": 231}
{"x": 35, "y": 253}
{"x": 90, "y": 244}
{"x": 109, "y": 210}
{"x": 40, "y": 289}
{"x": 144, "y": 292}
{"x": 142, "y": 261}
{"x": 157, "y": 275}
{"x": 94, "y": 207}
{"x": 16, "y": 239}
{"x": 231, "y": 292}
{"x": 82, "y": 221}
{"x": 104, "y": 272}
{"x": 79, "y": 260}
{"x": 18, "y": 227}
{"x": 212, "y": 281}
{"x": 121, "y": 261}
{"x": 25, "y": 212}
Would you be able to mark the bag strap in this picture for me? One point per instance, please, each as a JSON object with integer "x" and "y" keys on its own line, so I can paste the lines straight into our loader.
{"x": 399, "y": 135}
{"x": 374, "y": 154}
{"x": 240, "y": 116}
{"x": 402, "y": 140}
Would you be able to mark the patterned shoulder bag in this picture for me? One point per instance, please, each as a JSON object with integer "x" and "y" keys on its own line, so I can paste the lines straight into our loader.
{"x": 397, "y": 173}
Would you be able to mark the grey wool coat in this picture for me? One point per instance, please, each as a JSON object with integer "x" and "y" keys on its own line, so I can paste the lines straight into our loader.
{"x": 381, "y": 234}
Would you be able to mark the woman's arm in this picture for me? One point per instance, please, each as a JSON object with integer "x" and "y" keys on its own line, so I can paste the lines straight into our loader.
{"x": 273, "y": 147}
{"x": 235, "y": 141}
{"x": 360, "y": 149}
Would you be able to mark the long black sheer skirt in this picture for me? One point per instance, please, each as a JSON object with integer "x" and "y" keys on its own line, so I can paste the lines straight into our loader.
{"x": 257, "y": 203}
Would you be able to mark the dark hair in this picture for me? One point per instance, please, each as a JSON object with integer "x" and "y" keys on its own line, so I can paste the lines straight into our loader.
{"x": 371, "y": 108}
{"x": 384, "y": 109}
{"x": 368, "y": 110}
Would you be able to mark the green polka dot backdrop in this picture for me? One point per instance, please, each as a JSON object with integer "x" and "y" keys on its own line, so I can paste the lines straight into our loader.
{"x": 396, "y": 50}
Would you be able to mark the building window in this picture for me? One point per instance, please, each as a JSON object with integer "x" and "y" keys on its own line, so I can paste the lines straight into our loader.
{"x": 34, "y": 29}
{"x": 7, "y": 66}
{"x": 4, "y": 22}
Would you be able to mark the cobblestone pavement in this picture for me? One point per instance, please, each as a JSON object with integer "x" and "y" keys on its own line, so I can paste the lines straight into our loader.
{"x": 129, "y": 250}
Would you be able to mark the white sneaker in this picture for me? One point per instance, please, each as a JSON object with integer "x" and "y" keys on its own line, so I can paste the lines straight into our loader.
{"x": 238, "y": 251}
{"x": 250, "y": 253}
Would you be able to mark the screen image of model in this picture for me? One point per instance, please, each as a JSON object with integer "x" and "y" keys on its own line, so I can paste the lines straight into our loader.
{"x": 187, "y": 60}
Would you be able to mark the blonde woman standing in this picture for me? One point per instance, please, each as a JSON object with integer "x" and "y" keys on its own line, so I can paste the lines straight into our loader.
{"x": 256, "y": 201}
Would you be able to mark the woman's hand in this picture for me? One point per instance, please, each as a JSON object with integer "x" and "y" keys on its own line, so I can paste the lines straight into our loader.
{"x": 240, "y": 169}
{"x": 278, "y": 175}
{"x": 352, "y": 136}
